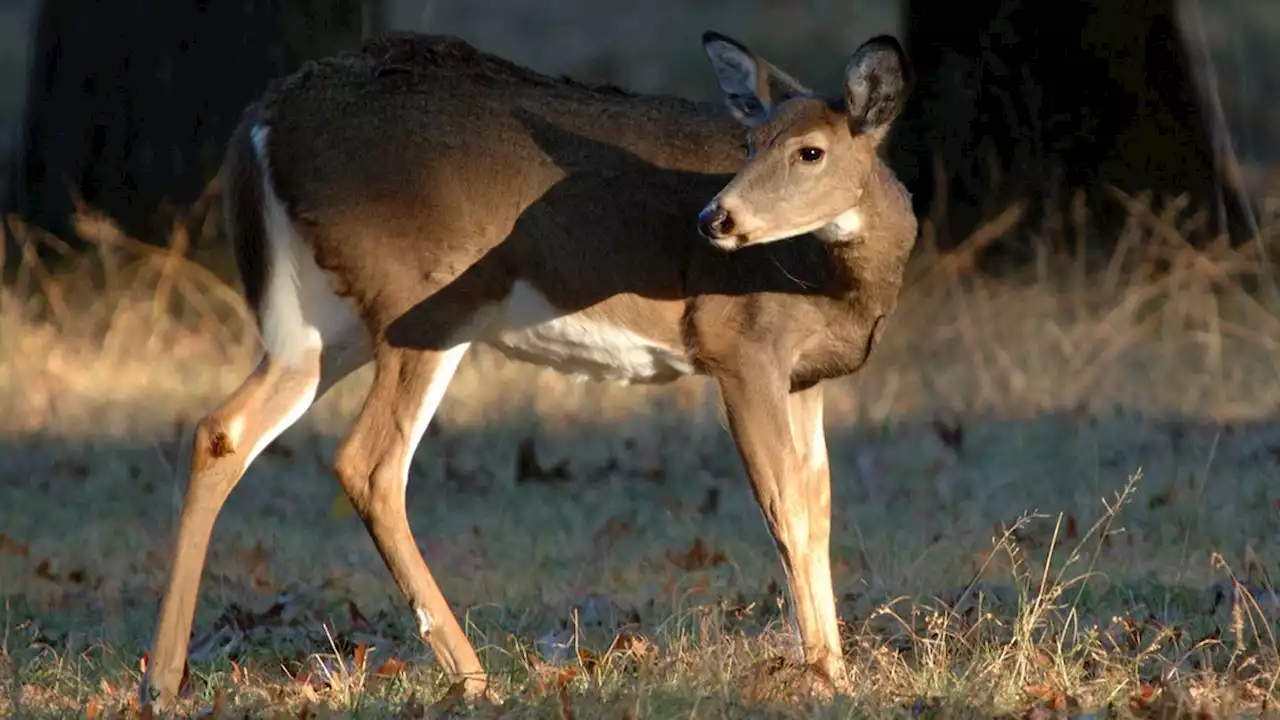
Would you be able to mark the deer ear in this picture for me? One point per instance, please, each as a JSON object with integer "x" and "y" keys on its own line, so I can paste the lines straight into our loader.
{"x": 742, "y": 78}
{"x": 877, "y": 82}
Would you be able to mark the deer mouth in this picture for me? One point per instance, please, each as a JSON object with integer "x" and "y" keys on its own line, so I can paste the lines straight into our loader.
{"x": 729, "y": 243}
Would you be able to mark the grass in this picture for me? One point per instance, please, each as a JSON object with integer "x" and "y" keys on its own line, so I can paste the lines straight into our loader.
{"x": 1053, "y": 493}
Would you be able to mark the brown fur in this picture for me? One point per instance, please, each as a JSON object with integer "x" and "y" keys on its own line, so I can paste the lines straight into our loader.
{"x": 469, "y": 170}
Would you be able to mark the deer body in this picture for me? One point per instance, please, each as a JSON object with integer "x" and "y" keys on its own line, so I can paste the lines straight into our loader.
{"x": 399, "y": 204}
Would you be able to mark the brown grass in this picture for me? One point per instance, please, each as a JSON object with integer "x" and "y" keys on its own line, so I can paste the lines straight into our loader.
{"x": 1132, "y": 406}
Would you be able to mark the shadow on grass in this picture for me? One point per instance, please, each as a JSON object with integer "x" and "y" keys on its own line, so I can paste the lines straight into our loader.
{"x": 644, "y": 523}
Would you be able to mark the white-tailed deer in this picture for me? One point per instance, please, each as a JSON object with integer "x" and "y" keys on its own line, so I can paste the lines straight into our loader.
{"x": 400, "y": 203}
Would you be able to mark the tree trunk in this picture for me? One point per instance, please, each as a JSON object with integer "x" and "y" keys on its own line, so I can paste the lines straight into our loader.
{"x": 1031, "y": 100}
{"x": 130, "y": 102}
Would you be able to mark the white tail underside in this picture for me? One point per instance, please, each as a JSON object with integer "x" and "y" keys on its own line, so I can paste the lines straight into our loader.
{"x": 300, "y": 311}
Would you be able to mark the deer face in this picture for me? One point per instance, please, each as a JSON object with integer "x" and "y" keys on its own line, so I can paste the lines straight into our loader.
{"x": 809, "y": 158}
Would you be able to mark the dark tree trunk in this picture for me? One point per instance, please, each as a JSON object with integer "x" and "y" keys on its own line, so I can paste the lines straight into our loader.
{"x": 1031, "y": 100}
{"x": 130, "y": 102}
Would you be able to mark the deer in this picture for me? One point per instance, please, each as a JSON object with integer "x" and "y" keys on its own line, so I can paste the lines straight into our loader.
{"x": 399, "y": 203}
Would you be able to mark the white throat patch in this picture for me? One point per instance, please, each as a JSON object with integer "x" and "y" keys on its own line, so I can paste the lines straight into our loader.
{"x": 847, "y": 223}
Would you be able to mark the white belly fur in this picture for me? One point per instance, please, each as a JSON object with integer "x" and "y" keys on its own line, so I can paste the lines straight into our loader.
{"x": 527, "y": 327}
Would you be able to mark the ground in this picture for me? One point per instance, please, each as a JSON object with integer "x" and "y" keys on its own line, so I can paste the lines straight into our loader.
{"x": 1052, "y": 495}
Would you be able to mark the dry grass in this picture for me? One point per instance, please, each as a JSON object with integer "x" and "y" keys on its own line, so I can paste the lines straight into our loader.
{"x": 1040, "y": 485}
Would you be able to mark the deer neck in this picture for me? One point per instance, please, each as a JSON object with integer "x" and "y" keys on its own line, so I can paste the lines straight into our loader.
{"x": 871, "y": 241}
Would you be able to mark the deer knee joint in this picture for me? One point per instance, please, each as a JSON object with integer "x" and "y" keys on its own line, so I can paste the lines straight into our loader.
{"x": 359, "y": 478}
{"x": 353, "y": 480}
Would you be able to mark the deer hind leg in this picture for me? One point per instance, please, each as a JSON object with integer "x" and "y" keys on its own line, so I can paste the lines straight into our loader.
{"x": 373, "y": 467}
{"x": 273, "y": 397}
{"x": 774, "y": 435}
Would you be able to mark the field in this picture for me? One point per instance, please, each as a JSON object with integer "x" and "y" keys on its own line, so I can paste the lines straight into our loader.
{"x": 1047, "y": 490}
{"x": 1055, "y": 494}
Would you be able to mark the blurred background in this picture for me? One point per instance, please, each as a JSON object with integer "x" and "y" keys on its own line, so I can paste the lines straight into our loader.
{"x": 130, "y": 103}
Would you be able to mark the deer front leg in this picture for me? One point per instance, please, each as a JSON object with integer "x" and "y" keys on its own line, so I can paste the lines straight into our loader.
{"x": 780, "y": 440}
{"x": 811, "y": 443}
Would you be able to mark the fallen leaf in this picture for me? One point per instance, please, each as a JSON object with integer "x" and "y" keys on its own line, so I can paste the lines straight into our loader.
{"x": 1039, "y": 692}
{"x": 1171, "y": 703}
{"x": 391, "y": 667}
{"x": 360, "y": 655}
{"x": 627, "y": 643}
{"x": 92, "y": 710}
{"x": 9, "y": 546}
{"x": 549, "y": 677}
{"x": 564, "y": 676}
{"x": 1143, "y": 699}
{"x": 566, "y": 706}
{"x": 216, "y": 710}
{"x": 308, "y": 680}
{"x": 695, "y": 558}
{"x": 452, "y": 698}
{"x": 1063, "y": 701}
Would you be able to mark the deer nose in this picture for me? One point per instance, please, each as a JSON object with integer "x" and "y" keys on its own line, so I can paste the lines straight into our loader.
{"x": 714, "y": 222}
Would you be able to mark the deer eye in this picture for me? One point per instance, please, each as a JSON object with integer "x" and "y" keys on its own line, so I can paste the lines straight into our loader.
{"x": 810, "y": 154}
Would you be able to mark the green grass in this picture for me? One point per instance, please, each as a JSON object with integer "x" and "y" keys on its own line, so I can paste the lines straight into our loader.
{"x": 1076, "y": 461}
